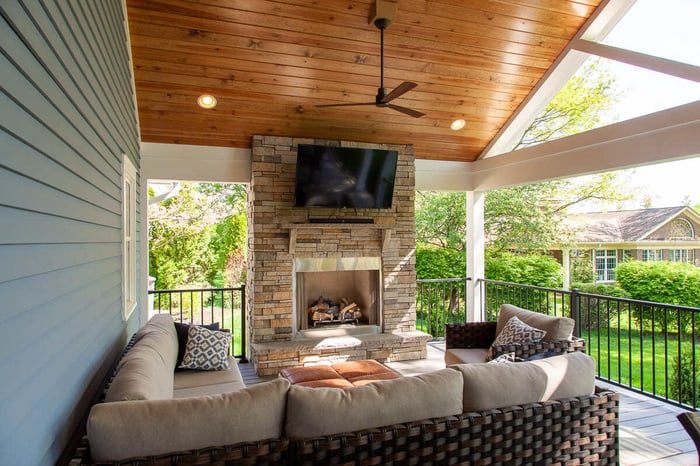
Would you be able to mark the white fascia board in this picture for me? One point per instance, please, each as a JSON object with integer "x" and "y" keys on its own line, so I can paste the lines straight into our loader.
{"x": 195, "y": 163}
{"x": 438, "y": 175}
{"x": 659, "y": 137}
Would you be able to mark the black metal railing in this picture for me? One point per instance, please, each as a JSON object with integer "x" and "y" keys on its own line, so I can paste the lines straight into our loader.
{"x": 203, "y": 306}
{"x": 439, "y": 302}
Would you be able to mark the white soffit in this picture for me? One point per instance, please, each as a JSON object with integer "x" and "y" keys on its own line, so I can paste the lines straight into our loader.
{"x": 195, "y": 163}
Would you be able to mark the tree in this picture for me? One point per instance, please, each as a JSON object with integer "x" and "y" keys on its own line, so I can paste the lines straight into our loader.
{"x": 197, "y": 235}
{"x": 440, "y": 219}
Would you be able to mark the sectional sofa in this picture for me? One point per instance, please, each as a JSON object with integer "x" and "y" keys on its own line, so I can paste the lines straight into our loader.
{"x": 539, "y": 412}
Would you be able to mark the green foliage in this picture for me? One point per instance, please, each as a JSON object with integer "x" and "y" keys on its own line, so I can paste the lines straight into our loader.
{"x": 595, "y": 312}
{"x": 662, "y": 282}
{"x": 433, "y": 262}
{"x": 581, "y": 267}
{"x": 440, "y": 219}
{"x": 197, "y": 235}
{"x": 684, "y": 382}
{"x": 582, "y": 104}
{"x": 531, "y": 269}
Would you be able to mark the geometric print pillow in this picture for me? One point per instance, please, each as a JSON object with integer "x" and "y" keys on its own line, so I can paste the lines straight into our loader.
{"x": 517, "y": 331}
{"x": 206, "y": 349}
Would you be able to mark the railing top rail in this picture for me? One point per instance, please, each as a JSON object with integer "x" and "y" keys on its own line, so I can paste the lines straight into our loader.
{"x": 443, "y": 280}
{"x": 186, "y": 290}
{"x": 640, "y": 302}
{"x": 531, "y": 287}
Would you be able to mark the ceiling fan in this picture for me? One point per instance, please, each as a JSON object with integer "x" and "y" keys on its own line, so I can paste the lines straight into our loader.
{"x": 383, "y": 99}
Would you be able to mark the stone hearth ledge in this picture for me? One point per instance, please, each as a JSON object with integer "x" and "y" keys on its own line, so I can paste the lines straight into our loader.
{"x": 270, "y": 358}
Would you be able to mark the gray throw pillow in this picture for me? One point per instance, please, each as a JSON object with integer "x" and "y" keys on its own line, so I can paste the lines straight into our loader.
{"x": 206, "y": 349}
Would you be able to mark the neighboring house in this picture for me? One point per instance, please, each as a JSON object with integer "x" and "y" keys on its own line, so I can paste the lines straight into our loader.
{"x": 608, "y": 238}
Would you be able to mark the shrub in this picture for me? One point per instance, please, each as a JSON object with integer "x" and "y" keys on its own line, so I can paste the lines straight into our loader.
{"x": 684, "y": 382}
{"x": 434, "y": 262}
{"x": 530, "y": 269}
{"x": 662, "y": 282}
{"x": 593, "y": 311}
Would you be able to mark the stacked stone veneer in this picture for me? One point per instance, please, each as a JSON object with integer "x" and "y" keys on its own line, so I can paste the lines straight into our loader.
{"x": 272, "y": 218}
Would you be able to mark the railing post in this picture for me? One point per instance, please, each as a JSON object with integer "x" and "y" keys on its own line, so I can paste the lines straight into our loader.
{"x": 244, "y": 359}
{"x": 575, "y": 311}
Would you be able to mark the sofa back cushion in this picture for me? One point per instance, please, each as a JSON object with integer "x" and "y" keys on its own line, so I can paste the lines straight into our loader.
{"x": 313, "y": 412}
{"x": 146, "y": 370}
{"x": 146, "y": 428}
{"x": 557, "y": 328}
{"x": 489, "y": 386}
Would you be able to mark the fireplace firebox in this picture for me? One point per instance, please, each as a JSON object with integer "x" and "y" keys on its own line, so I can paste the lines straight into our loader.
{"x": 337, "y": 292}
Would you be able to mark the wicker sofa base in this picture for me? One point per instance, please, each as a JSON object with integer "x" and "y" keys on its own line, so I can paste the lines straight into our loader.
{"x": 575, "y": 431}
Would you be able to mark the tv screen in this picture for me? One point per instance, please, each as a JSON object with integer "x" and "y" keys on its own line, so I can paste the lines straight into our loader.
{"x": 344, "y": 177}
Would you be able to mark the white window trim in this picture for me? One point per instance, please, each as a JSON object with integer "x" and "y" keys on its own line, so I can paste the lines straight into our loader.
{"x": 128, "y": 237}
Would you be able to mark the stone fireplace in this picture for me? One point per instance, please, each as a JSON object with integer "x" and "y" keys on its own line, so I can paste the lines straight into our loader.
{"x": 364, "y": 256}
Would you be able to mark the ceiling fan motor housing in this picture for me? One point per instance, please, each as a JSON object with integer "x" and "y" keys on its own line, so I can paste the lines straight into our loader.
{"x": 383, "y": 10}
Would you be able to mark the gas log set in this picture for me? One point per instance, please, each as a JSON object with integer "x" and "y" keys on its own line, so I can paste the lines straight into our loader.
{"x": 325, "y": 311}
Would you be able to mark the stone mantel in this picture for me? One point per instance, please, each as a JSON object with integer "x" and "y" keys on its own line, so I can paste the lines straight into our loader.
{"x": 384, "y": 229}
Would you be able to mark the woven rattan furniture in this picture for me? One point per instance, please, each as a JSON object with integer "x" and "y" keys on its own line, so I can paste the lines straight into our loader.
{"x": 465, "y": 414}
{"x": 478, "y": 337}
{"x": 575, "y": 431}
{"x": 691, "y": 423}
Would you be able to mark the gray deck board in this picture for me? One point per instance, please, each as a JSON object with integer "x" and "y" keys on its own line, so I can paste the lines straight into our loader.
{"x": 650, "y": 434}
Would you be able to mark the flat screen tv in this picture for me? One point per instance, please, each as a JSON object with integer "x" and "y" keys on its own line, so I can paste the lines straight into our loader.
{"x": 344, "y": 177}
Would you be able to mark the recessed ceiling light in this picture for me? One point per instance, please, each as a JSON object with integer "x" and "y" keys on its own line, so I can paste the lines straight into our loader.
{"x": 458, "y": 124}
{"x": 206, "y": 101}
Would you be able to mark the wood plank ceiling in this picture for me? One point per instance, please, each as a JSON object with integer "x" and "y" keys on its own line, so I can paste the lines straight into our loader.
{"x": 270, "y": 62}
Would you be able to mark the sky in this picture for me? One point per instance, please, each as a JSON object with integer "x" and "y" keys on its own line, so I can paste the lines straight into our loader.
{"x": 669, "y": 29}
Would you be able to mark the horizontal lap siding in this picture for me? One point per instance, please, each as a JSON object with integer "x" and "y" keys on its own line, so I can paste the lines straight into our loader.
{"x": 67, "y": 116}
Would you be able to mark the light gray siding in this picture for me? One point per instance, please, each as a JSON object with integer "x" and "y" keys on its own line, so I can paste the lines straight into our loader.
{"x": 67, "y": 116}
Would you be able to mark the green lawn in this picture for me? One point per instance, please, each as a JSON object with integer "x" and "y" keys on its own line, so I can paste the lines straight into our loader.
{"x": 644, "y": 360}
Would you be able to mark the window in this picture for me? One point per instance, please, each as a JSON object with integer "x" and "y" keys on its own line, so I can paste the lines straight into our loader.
{"x": 683, "y": 255}
{"x": 605, "y": 264}
{"x": 128, "y": 237}
{"x": 681, "y": 229}
{"x": 652, "y": 255}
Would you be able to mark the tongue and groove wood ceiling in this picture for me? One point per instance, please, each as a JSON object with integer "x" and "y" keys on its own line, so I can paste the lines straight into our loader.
{"x": 269, "y": 63}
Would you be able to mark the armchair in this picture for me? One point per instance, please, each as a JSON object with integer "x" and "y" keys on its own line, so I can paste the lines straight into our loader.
{"x": 470, "y": 342}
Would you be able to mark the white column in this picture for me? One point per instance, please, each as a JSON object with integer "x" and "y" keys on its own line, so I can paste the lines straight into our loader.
{"x": 475, "y": 253}
{"x": 566, "y": 266}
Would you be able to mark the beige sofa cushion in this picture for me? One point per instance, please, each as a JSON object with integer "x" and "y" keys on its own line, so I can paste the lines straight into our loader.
{"x": 146, "y": 371}
{"x": 200, "y": 383}
{"x": 465, "y": 355}
{"x": 489, "y": 386}
{"x": 143, "y": 428}
{"x": 557, "y": 328}
{"x": 312, "y": 412}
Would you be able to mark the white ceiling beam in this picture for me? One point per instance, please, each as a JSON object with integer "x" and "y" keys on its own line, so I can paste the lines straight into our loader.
{"x": 659, "y": 137}
{"x": 650, "y": 62}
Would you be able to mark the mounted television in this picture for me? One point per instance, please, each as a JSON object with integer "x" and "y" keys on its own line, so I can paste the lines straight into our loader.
{"x": 344, "y": 177}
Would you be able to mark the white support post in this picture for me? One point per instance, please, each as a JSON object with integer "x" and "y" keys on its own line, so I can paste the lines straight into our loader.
{"x": 566, "y": 267}
{"x": 475, "y": 253}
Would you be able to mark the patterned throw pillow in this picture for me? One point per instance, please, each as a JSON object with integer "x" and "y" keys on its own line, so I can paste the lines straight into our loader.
{"x": 206, "y": 350}
{"x": 505, "y": 357}
{"x": 516, "y": 331}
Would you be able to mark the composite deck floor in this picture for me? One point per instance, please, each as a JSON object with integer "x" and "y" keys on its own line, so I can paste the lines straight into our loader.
{"x": 650, "y": 434}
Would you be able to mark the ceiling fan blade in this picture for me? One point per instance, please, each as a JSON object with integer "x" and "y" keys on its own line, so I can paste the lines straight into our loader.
{"x": 347, "y": 105}
{"x": 398, "y": 91}
{"x": 407, "y": 111}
